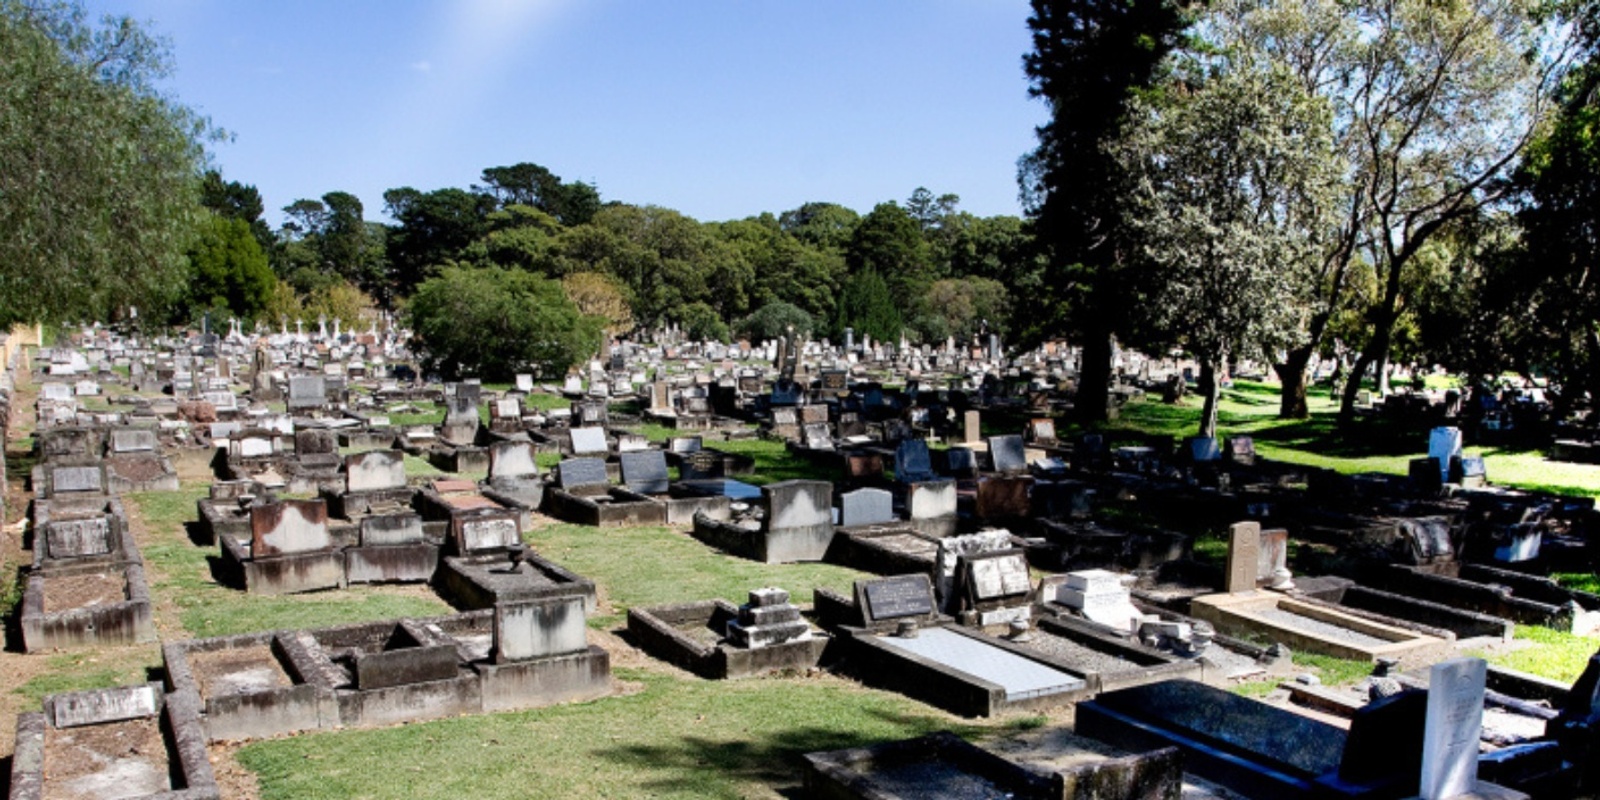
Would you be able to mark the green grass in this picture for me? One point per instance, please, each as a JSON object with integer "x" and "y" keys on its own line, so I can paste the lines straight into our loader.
{"x": 1552, "y": 654}
{"x": 1581, "y": 581}
{"x": 74, "y": 672}
{"x": 1251, "y": 409}
{"x": 206, "y": 608}
{"x": 773, "y": 461}
{"x": 675, "y": 738}
{"x": 651, "y": 566}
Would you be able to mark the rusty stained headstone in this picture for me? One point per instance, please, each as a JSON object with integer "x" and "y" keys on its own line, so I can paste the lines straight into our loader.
{"x": 1244, "y": 546}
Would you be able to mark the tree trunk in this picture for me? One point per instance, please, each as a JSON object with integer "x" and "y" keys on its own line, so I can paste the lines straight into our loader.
{"x": 1094, "y": 379}
{"x": 1382, "y": 371}
{"x": 1292, "y": 374}
{"x": 1210, "y": 389}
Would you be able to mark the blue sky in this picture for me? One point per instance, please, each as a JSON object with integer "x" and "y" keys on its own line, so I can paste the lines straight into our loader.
{"x": 717, "y": 108}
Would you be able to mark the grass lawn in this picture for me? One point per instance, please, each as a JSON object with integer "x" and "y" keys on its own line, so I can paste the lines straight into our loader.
{"x": 1250, "y": 409}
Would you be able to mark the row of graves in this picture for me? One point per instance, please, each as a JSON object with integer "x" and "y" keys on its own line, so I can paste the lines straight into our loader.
{"x": 1000, "y": 590}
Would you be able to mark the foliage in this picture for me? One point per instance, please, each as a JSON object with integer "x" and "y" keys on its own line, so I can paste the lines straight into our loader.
{"x": 776, "y": 319}
{"x": 963, "y": 308}
{"x": 1229, "y": 186}
{"x": 866, "y": 305}
{"x": 433, "y": 228}
{"x": 493, "y": 323}
{"x": 343, "y": 302}
{"x": 700, "y": 321}
{"x": 888, "y": 241}
{"x": 98, "y": 171}
{"x": 229, "y": 272}
{"x": 531, "y": 185}
{"x": 1089, "y": 59}
{"x": 599, "y": 295}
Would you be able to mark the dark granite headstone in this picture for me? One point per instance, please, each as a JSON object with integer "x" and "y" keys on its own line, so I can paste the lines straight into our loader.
{"x": 912, "y": 462}
{"x": 896, "y": 597}
{"x": 645, "y": 471}
{"x": 1008, "y": 453}
{"x": 582, "y": 472}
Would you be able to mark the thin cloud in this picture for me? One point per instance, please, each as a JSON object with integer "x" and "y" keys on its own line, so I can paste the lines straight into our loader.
{"x": 421, "y": 66}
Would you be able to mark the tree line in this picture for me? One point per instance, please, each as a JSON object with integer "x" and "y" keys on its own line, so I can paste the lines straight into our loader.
{"x": 1399, "y": 182}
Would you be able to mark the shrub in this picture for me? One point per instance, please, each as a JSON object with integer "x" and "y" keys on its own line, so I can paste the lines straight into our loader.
{"x": 494, "y": 323}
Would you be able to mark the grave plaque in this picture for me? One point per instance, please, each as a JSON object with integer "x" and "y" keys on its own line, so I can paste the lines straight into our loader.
{"x": 1008, "y": 453}
{"x": 994, "y": 578}
{"x": 645, "y": 471}
{"x": 582, "y": 472}
{"x": 486, "y": 532}
{"x": 1455, "y": 723}
{"x": 99, "y": 706}
{"x": 75, "y": 479}
{"x": 78, "y": 537}
{"x": 1043, "y": 430}
{"x": 866, "y": 507}
{"x": 133, "y": 440}
{"x": 900, "y": 596}
{"x": 390, "y": 529}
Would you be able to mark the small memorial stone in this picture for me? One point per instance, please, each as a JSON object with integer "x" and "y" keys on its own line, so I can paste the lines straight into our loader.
{"x": 645, "y": 472}
{"x": 582, "y": 472}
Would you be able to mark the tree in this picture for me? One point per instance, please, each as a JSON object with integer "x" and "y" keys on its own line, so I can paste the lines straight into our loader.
{"x": 529, "y": 184}
{"x": 433, "y": 228}
{"x": 98, "y": 171}
{"x": 343, "y": 301}
{"x": 1229, "y": 181}
{"x": 236, "y": 200}
{"x": 229, "y": 273}
{"x": 866, "y": 305}
{"x": 776, "y": 319}
{"x": 824, "y": 225}
{"x": 601, "y": 296}
{"x": 494, "y": 323}
{"x": 889, "y": 243}
{"x": 963, "y": 308}
{"x": 1090, "y": 57}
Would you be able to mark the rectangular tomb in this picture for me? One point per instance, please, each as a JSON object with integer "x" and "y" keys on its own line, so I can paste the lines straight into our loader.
{"x": 1314, "y": 628}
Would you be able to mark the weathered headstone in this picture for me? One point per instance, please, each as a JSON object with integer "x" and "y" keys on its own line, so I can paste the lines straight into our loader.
{"x": 76, "y": 479}
{"x": 98, "y": 706}
{"x": 588, "y": 441}
{"x": 1272, "y": 562}
{"x": 134, "y": 440}
{"x": 289, "y": 526}
{"x": 1008, "y": 453}
{"x": 486, "y": 529}
{"x": 1443, "y": 444}
{"x": 375, "y": 470}
{"x": 72, "y": 538}
{"x": 390, "y": 529}
{"x": 931, "y": 500}
{"x": 512, "y": 459}
{"x": 1244, "y": 546}
{"x": 912, "y": 462}
{"x": 798, "y": 504}
{"x": 971, "y": 427}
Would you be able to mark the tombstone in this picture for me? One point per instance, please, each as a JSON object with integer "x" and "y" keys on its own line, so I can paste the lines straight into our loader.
{"x": 1244, "y": 546}
{"x": 307, "y": 391}
{"x": 895, "y": 598}
{"x": 1008, "y": 453}
{"x": 1519, "y": 542}
{"x": 866, "y": 507}
{"x": 1272, "y": 563}
{"x": 76, "y": 479}
{"x": 375, "y": 470}
{"x": 79, "y": 537}
{"x": 961, "y": 462}
{"x": 1042, "y": 431}
{"x": 1102, "y": 597}
{"x": 582, "y": 472}
{"x": 767, "y": 619}
{"x": 952, "y": 548}
{"x": 1444, "y": 443}
{"x": 1242, "y": 450}
{"x": 1454, "y": 726}
{"x": 588, "y": 441}
{"x": 1202, "y": 449}
{"x": 931, "y": 500}
{"x": 289, "y": 526}
{"x": 512, "y": 460}
{"x": 645, "y": 472}
{"x": 572, "y": 385}
{"x": 660, "y": 397}
{"x": 391, "y": 529}
{"x": 134, "y": 440}
{"x": 485, "y": 529}
{"x": 798, "y": 504}
{"x": 99, "y": 706}
{"x": 315, "y": 442}
{"x": 1003, "y": 497}
{"x": 912, "y": 461}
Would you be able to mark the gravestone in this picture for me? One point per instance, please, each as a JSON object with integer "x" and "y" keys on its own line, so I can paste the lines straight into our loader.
{"x": 1003, "y": 497}
{"x": 588, "y": 441}
{"x": 1272, "y": 563}
{"x": 898, "y": 597}
{"x": 866, "y": 507}
{"x": 1042, "y": 430}
{"x": 99, "y": 706}
{"x": 912, "y": 461}
{"x": 961, "y": 462}
{"x": 391, "y": 529}
{"x": 1008, "y": 453}
{"x": 931, "y": 500}
{"x": 798, "y": 504}
{"x": 485, "y": 529}
{"x": 289, "y": 526}
{"x": 645, "y": 472}
{"x": 1444, "y": 443}
{"x": 767, "y": 619}
{"x": 525, "y": 631}
{"x": 972, "y": 429}
{"x": 1101, "y": 596}
{"x": 76, "y": 479}
{"x": 1202, "y": 449}
{"x": 134, "y": 440}
{"x": 997, "y": 576}
{"x": 1244, "y": 546}
{"x": 307, "y": 391}
{"x": 524, "y": 383}
{"x": 512, "y": 460}
{"x": 315, "y": 441}
{"x": 683, "y": 445}
{"x": 952, "y": 548}
{"x": 375, "y": 470}
{"x": 1242, "y": 450}
{"x": 575, "y": 472}
{"x": 1454, "y": 726}
{"x": 78, "y": 537}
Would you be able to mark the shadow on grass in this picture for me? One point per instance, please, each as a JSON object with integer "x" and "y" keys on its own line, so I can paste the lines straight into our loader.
{"x": 775, "y": 759}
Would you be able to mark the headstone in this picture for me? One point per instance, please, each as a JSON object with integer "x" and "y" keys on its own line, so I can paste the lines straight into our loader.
{"x": 912, "y": 462}
{"x": 512, "y": 460}
{"x": 931, "y": 500}
{"x": 798, "y": 504}
{"x": 1272, "y": 563}
{"x": 315, "y": 442}
{"x": 1008, "y": 453}
{"x": 1454, "y": 726}
{"x": 98, "y": 706}
{"x": 485, "y": 529}
{"x": 645, "y": 472}
{"x": 76, "y": 479}
{"x": 866, "y": 507}
{"x": 307, "y": 391}
{"x": 524, "y": 383}
{"x": 524, "y": 631}
{"x": 582, "y": 472}
{"x": 961, "y": 462}
{"x": 78, "y": 537}
{"x": 1244, "y": 546}
{"x": 1443, "y": 444}
{"x": 1202, "y": 449}
{"x": 767, "y": 619}
{"x": 134, "y": 440}
{"x": 897, "y": 597}
{"x": 972, "y": 430}
{"x": 375, "y": 470}
{"x": 1042, "y": 431}
{"x": 289, "y": 526}
{"x": 1101, "y": 596}
{"x": 952, "y": 548}
{"x": 588, "y": 441}
{"x": 993, "y": 577}
{"x": 390, "y": 529}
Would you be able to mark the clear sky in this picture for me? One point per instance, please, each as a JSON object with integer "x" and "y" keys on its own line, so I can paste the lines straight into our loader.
{"x": 720, "y": 109}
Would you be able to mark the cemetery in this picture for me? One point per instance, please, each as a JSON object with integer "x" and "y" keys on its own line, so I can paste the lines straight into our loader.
{"x": 1170, "y": 600}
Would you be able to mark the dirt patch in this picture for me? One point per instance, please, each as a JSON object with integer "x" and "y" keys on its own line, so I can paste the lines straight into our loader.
{"x": 117, "y": 759}
{"x": 137, "y": 468}
{"x": 237, "y": 671}
{"x": 67, "y": 592}
{"x": 234, "y": 781}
